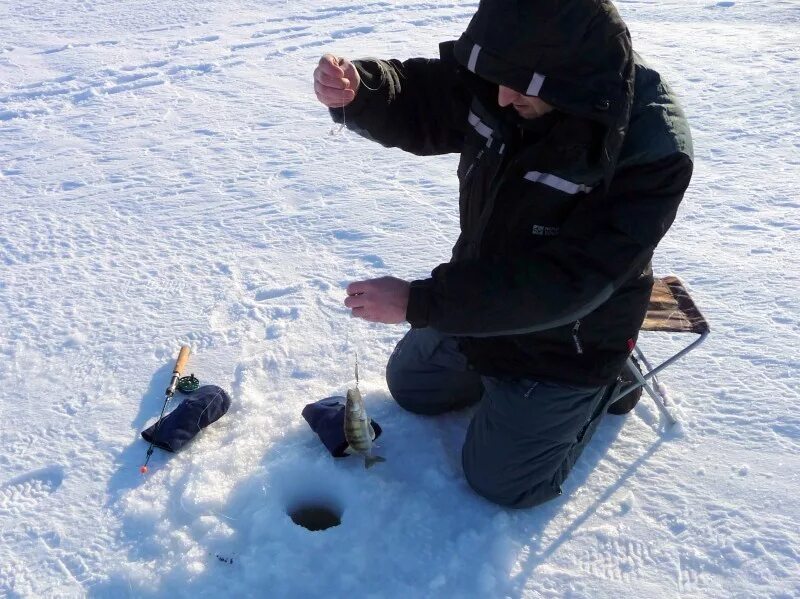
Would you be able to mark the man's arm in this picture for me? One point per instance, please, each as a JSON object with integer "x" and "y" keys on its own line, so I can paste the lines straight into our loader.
{"x": 418, "y": 105}
{"x": 605, "y": 241}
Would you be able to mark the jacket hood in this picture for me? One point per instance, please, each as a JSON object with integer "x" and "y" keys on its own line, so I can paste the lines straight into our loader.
{"x": 574, "y": 54}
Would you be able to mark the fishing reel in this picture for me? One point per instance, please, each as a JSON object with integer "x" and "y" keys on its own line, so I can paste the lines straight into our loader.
{"x": 187, "y": 384}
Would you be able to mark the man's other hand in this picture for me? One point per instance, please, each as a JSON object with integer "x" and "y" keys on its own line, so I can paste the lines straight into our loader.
{"x": 336, "y": 81}
{"x": 379, "y": 300}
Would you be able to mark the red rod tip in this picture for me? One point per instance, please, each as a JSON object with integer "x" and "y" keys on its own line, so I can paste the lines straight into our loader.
{"x": 143, "y": 469}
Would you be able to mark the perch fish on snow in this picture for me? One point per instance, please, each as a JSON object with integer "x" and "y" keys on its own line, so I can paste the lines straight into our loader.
{"x": 358, "y": 429}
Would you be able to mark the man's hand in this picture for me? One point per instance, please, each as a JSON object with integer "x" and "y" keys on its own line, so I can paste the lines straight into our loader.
{"x": 336, "y": 81}
{"x": 379, "y": 300}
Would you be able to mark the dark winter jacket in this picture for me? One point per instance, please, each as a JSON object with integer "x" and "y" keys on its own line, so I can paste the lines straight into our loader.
{"x": 550, "y": 277}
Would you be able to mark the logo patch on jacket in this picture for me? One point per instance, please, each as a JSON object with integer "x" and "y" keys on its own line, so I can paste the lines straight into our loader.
{"x": 545, "y": 231}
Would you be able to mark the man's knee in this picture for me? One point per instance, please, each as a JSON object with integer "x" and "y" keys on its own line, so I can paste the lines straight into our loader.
{"x": 413, "y": 395}
{"x": 406, "y": 397}
{"x": 397, "y": 379}
{"x": 402, "y": 366}
{"x": 394, "y": 376}
{"x": 425, "y": 380}
{"x": 403, "y": 382}
{"x": 499, "y": 485}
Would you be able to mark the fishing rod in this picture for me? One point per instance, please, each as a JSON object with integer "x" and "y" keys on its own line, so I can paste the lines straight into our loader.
{"x": 180, "y": 363}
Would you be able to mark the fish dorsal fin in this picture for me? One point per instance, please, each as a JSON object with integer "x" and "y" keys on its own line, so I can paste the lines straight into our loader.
{"x": 371, "y": 460}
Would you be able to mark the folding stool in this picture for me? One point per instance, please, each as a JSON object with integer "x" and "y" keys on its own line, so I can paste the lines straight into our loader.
{"x": 671, "y": 310}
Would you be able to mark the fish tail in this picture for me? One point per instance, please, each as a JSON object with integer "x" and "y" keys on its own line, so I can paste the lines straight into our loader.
{"x": 371, "y": 460}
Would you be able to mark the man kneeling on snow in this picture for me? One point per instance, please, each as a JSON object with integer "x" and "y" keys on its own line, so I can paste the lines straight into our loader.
{"x": 574, "y": 158}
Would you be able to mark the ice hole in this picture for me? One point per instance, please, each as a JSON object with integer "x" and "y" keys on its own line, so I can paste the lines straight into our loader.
{"x": 312, "y": 495}
{"x": 315, "y": 516}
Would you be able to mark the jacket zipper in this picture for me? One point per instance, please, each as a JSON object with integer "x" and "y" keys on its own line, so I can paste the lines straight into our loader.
{"x": 506, "y": 163}
{"x": 472, "y": 166}
{"x": 575, "y": 338}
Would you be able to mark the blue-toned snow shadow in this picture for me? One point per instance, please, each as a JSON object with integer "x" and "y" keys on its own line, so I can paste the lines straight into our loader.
{"x": 132, "y": 457}
{"x": 413, "y": 518}
{"x": 539, "y": 550}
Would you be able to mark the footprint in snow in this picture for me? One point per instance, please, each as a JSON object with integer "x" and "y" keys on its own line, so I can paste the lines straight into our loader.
{"x": 268, "y": 294}
{"x": 25, "y": 491}
{"x": 342, "y": 33}
{"x": 373, "y": 260}
{"x": 346, "y": 235}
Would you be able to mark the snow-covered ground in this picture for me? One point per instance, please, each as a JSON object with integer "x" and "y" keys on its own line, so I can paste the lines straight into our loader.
{"x": 167, "y": 177}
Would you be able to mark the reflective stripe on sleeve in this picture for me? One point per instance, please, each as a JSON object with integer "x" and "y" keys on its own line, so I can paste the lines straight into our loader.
{"x": 473, "y": 57}
{"x": 557, "y": 182}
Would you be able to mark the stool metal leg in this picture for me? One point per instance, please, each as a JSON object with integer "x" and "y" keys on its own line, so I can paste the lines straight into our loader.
{"x": 658, "y": 398}
{"x": 655, "y": 391}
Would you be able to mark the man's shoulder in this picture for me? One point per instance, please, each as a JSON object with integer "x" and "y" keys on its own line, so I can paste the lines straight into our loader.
{"x": 658, "y": 126}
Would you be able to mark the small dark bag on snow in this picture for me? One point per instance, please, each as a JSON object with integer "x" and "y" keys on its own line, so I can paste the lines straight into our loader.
{"x": 206, "y": 405}
{"x": 326, "y": 418}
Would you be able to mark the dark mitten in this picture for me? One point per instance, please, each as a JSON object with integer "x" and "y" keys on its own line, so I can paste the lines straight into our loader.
{"x": 326, "y": 418}
{"x": 206, "y": 405}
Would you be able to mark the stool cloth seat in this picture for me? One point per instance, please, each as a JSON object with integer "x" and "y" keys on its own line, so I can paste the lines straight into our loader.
{"x": 673, "y": 310}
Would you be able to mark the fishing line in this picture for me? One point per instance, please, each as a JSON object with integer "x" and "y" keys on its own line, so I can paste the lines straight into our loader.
{"x": 208, "y": 405}
{"x": 196, "y": 515}
{"x": 352, "y": 341}
{"x": 353, "y": 334}
{"x": 351, "y": 338}
{"x": 334, "y": 130}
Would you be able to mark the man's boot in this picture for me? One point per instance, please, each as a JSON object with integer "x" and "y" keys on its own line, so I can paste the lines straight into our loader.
{"x": 628, "y": 402}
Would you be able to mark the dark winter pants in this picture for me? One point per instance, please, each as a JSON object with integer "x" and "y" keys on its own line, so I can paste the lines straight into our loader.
{"x": 525, "y": 435}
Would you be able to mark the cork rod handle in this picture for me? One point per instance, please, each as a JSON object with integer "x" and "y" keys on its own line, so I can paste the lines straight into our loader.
{"x": 183, "y": 357}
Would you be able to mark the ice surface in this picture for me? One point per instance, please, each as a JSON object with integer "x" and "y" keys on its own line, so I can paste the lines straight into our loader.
{"x": 167, "y": 178}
